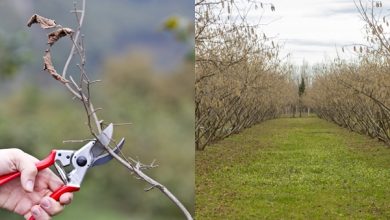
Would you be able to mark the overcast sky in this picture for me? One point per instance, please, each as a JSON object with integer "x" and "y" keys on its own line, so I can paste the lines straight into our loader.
{"x": 313, "y": 29}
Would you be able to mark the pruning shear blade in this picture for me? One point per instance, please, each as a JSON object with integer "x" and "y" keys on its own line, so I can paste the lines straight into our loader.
{"x": 99, "y": 147}
{"x": 102, "y": 141}
{"x": 104, "y": 158}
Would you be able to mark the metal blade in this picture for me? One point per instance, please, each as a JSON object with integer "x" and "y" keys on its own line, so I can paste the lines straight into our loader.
{"x": 104, "y": 139}
{"x": 104, "y": 158}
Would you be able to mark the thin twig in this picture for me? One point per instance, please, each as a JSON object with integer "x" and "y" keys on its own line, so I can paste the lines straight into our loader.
{"x": 80, "y": 24}
{"x": 77, "y": 141}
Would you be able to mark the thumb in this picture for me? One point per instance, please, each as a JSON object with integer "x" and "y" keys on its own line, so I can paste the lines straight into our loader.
{"x": 28, "y": 174}
{"x": 27, "y": 168}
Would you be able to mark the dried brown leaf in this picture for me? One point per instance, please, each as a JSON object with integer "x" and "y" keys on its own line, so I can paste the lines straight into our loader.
{"x": 56, "y": 35}
{"x": 44, "y": 22}
{"x": 48, "y": 65}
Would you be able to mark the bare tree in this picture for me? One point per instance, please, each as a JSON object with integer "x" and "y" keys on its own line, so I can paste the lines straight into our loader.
{"x": 356, "y": 95}
{"x": 239, "y": 80}
{"x": 376, "y": 27}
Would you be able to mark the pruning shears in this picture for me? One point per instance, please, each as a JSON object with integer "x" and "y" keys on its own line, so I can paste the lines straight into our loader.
{"x": 78, "y": 162}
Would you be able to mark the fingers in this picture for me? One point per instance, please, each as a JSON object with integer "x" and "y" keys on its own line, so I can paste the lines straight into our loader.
{"x": 39, "y": 214}
{"x": 47, "y": 179}
{"x": 48, "y": 207}
{"x": 27, "y": 168}
{"x": 66, "y": 198}
{"x": 51, "y": 206}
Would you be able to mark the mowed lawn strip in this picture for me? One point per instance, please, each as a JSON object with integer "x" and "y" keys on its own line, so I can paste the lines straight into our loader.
{"x": 294, "y": 168}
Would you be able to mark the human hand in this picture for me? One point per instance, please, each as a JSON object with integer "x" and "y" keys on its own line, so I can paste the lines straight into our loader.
{"x": 29, "y": 196}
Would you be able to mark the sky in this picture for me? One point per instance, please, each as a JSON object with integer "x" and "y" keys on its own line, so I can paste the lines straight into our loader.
{"x": 313, "y": 30}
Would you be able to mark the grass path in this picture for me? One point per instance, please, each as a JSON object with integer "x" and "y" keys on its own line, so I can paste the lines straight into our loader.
{"x": 294, "y": 168}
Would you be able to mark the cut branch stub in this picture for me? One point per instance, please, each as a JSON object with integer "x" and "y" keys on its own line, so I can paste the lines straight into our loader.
{"x": 45, "y": 23}
{"x": 56, "y": 35}
{"x": 48, "y": 65}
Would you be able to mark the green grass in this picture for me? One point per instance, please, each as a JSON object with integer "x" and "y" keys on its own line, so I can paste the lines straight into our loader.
{"x": 79, "y": 211}
{"x": 294, "y": 168}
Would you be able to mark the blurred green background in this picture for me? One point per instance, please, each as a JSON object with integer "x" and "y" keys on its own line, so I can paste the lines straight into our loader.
{"x": 147, "y": 75}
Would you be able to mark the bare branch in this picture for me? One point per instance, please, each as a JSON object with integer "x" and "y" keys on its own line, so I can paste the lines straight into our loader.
{"x": 81, "y": 21}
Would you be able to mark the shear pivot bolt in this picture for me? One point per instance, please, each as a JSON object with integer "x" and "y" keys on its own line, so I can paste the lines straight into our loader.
{"x": 81, "y": 161}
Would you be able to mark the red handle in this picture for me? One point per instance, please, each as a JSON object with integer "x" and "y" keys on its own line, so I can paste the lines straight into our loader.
{"x": 58, "y": 193}
{"x": 63, "y": 189}
{"x": 43, "y": 164}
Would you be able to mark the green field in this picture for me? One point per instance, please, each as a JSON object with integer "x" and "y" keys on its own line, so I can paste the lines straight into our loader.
{"x": 294, "y": 168}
